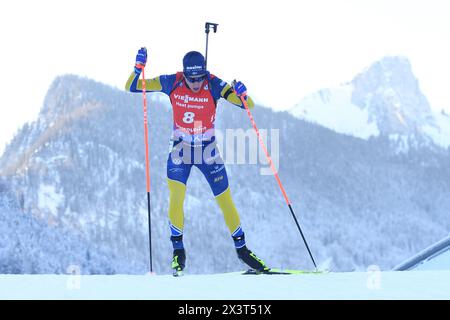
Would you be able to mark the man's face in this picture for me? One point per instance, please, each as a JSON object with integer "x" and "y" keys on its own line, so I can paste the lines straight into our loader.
{"x": 195, "y": 83}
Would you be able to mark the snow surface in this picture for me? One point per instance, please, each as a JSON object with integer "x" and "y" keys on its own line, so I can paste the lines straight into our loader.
{"x": 352, "y": 285}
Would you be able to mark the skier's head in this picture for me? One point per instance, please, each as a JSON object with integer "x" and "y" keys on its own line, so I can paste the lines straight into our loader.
{"x": 194, "y": 64}
{"x": 194, "y": 70}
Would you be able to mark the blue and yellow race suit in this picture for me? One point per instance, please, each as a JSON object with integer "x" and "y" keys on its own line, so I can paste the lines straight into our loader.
{"x": 194, "y": 143}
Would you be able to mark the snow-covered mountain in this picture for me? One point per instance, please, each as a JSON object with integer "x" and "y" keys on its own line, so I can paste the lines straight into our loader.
{"x": 29, "y": 244}
{"x": 385, "y": 99}
{"x": 79, "y": 168}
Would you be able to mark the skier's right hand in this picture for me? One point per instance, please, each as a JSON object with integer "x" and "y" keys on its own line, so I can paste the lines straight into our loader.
{"x": 239, "y": 88}
{"x": 141, "y": 60}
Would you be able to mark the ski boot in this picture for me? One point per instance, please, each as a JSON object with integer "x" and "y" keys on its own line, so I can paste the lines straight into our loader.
{"x": 178, "y": 262}
{"x": 249, "y": 258}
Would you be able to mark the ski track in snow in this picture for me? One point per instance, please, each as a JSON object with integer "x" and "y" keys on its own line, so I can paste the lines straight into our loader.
{"x": 231, "y": 286}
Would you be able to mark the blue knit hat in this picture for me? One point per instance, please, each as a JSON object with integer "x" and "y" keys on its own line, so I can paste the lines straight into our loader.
{"x": 194, "y": 64}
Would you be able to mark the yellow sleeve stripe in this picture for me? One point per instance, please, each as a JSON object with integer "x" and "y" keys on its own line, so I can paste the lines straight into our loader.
{"x": 150, "y": 84}
{"x": 130, "y": 81}
{"x": 234, "y": 99}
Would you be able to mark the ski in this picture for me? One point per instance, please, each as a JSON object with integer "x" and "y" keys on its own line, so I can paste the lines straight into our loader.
{"x": 275, "y": 271}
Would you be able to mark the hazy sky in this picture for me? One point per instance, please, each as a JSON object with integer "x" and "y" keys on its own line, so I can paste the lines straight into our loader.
{"x": 282, "y": 50}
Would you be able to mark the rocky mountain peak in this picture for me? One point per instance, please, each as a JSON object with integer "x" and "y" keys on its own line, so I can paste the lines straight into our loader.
{"x": 390, "y": 92}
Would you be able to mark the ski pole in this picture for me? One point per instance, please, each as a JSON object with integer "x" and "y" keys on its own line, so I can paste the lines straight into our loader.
{"x": 244, "y": 102}
{"x": 207, "y": 26}
{"x": 147, "y": 166}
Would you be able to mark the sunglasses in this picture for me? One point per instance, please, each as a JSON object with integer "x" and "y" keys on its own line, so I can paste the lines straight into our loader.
{"x": 196, "y": 79}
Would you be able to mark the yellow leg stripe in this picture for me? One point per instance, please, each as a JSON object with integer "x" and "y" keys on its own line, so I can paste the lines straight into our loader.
{"x": 229, "y": 210}
{"x": 177, "y": 191}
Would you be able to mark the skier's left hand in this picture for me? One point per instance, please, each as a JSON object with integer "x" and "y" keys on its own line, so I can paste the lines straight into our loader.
{"x": 239, "y": 88}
